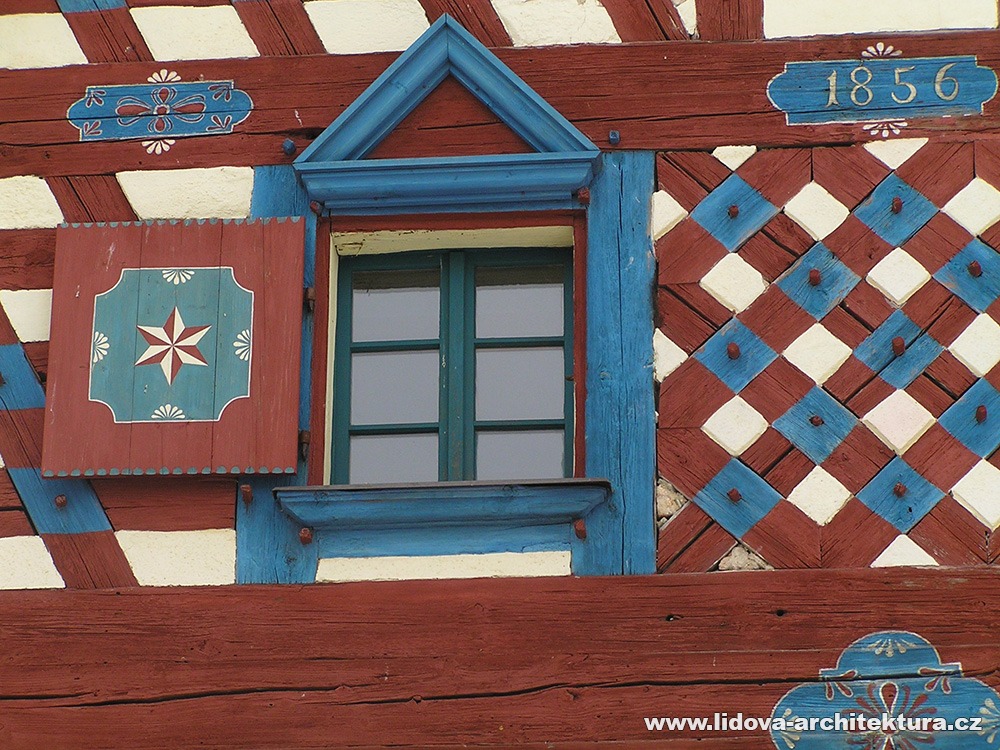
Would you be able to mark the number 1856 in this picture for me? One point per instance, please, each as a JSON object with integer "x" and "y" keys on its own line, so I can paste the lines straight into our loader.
{"x": 945, "y": 86}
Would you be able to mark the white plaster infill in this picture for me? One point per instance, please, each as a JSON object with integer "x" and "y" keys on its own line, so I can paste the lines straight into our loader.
{"x": 785, "y": 18}
{"x": 487, "y": 565}
{"x": 25, "y": 563}
{"x": 38, "y": 40}
{"x": 357, "y": 26}
{"x": 177, "y": 32}
{"x": 213, "y": 193}
{"x": 532, "y": 23}
{"x": 181, "y": 558}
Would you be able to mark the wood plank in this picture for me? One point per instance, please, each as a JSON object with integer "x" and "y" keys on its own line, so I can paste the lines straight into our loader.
{"x": 14, "y": 522}
{"x": 11, "y": 7}
{"x": 109, "y": 35}
{"x": 27, "y": 259}
{"x": 730, "y": 19}
{"x": 9, "y": 499}
{"x": 168, "y": 503}
{"x": 598, "y": 87}
{"x": 477, "y": 16}
{"x": 417, "y": 672}
{"x": 37, "y": 353}
{"x": 703, "y": 552}
{"x": 91, "y": 198}
{"x": 279, "y": 27}
{"x": 432, "y": 128}
{"x": 687, "y": 524}
{"x": 93, "y": 560}
{"x": 646, "y": 20}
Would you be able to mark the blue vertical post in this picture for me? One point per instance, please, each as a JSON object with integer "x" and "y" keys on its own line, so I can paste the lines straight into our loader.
{"x": 268, "y": 549}
{"x": 619, "y": 408}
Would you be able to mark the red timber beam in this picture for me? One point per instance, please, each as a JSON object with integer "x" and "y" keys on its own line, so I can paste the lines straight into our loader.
{"x": 669, "y": 95}
{"x": 730, "y": 20}
{"x": 444, "y": 663}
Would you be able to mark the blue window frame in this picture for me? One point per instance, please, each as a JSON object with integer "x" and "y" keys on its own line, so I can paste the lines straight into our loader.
{"x": 454, "y": 365}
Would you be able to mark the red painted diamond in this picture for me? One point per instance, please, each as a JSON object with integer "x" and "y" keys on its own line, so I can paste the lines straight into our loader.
{"x": 172, "y": 345}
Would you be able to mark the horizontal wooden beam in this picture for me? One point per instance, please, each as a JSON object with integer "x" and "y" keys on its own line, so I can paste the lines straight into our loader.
{"x": 669, "y": 95}
{"x": 441, "y": 663}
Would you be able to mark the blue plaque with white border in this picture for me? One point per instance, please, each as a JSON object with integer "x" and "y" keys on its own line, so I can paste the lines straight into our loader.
{"x": 881, "y": 87}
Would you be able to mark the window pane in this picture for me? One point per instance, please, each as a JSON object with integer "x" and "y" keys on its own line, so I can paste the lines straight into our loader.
{"x": 519, "y": 301}
{"x": 396, "y": 305}
{"x": 530, "y": 454}
{"x": 394, "y": 387}
{"x": 520, "y": 383}
{"x": 394, "y": 458}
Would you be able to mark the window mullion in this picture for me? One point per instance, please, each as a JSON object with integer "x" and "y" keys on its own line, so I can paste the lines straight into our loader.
{"x": 454, "y": 361}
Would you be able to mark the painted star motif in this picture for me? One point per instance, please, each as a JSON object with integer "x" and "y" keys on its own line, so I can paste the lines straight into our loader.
{"x": 172, "y": 345}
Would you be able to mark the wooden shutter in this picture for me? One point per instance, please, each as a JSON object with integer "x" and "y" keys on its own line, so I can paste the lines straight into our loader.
{"x": 175, "y": 348}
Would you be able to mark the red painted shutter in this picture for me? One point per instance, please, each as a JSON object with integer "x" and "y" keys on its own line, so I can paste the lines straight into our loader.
{"x": 175, "y": 348}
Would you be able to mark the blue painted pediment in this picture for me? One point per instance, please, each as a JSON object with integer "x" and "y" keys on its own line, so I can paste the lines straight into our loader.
{"x": 336, "y": 173}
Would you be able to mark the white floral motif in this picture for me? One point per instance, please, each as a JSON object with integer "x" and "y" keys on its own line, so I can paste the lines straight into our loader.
{"x": 168, "y": 411}
{"x": 242, "y": 344}
{"x": 990, "y": 725}
{"x": 164, "y": 76}
{"x": 882, "y": 50}
{"x": 177, "y": 275}
{"x": 159, "y": 146}
{"x": 100, "y": 346}
{"x": 885, "y": 127}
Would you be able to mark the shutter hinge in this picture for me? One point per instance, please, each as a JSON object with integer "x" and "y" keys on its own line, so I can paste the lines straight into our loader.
{"x": 305, "y": 437}
{"x": 309, "y": 298}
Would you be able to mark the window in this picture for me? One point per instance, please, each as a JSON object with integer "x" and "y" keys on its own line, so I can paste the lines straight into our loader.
{"x": 454, "y": 365}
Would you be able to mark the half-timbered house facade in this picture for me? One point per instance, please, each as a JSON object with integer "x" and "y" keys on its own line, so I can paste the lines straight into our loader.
{"x": 459, "y": 372}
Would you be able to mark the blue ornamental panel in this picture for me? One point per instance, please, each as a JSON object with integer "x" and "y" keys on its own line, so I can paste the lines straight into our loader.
{"x": 881, "y": 86}
{"x": 160, "y": 110}
{"x": 186, "y": 333}
{"x": 891, "y": 691}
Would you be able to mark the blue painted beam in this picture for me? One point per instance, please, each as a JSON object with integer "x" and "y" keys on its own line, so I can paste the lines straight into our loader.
{"x": 82, "y": 511}
{"x": 86, "y": 6}
{"x": 506, "y": 182}
{"x": 451, "y": 504}
{"x": 419, "y": 541}
{"x": 619, "y": 408}
{"x": 268, "y": 547}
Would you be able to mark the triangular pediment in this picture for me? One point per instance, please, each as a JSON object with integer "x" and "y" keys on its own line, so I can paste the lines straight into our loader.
{"x": 444, "y": 49}
{"x": 340, "y": 171}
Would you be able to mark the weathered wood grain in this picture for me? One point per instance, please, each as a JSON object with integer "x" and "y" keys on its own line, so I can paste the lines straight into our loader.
{"x": 109, "y": 35}
{"x": 92, "y": 560}
{"x": 450, "y": 662}
{"x": 168, "y": 503}
{"x": 730, "y": 19}
{"x": 477, "y": 16}
{"x": 682, "y": 95}
{"x": 279, "y": 27}
{"x": 26, "y": 261}
{"x": 646, "y": 20}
